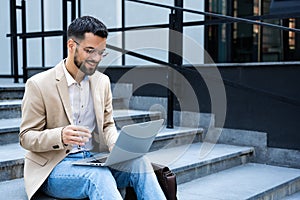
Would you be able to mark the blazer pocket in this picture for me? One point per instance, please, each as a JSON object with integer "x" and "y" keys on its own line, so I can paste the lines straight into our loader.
{"x": 40, "y": 160}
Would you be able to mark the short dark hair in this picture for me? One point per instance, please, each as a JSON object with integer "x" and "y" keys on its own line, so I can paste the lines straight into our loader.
{"x": 87, "y": 24}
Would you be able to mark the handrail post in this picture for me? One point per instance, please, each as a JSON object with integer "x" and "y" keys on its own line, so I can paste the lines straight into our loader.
{"x": 175, "y": 54}
{"x": 14, "y": 41}
{"x": 79, "y": 8}
{"x": 65, "y": 26}
{"x": 24, "y": 42}
{"x": 73, "y": 10}
{"x": 123, "y": 31}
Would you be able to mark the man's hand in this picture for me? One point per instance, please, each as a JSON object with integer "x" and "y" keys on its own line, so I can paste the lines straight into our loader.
{"x": 111, "y": 147}
{"x": 75, "y": 135}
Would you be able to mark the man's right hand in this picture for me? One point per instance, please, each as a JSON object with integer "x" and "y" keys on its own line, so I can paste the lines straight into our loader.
{"x": 75, "y": 135}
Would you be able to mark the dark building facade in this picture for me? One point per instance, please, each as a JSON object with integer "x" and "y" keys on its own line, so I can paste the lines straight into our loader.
{"x": 243, "y": 42}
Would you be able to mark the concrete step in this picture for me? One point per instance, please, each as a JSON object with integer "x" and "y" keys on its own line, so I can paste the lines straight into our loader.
{"x": 126, "y": 116}
{"x": 11, "y": 95}
{"x": 249, "y": 181}
{"x": 295, "y": 196}
{"x": 11, "y": 91}
{"x": 121, "y": 93}
{"x": 11, "y": 155}
{"x": 9, "y": 130}
{"x": 11, "y": 161}
{"x": 16, "y": 90}
{"x": 196, "y": 160}
{"x": 177, "y": 136}
{"x": 10, "y": 108}
{"x": 183, "y": 160}
{"x": 120, "y": 103}
{"x": 9, "y": 127}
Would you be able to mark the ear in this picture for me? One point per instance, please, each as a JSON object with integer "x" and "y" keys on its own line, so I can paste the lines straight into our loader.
{"x": 71, "y": 44}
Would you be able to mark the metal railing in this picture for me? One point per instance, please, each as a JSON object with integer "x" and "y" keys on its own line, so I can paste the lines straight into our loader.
{"x": 176, "y": 24}
{"x": 24, "y": 35}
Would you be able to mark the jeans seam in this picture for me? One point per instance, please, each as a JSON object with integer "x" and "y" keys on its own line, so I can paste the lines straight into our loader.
{"x": 86, "y": 178}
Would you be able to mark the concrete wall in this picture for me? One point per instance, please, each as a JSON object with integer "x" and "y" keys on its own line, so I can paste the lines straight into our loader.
{"x": 261, "y": 97}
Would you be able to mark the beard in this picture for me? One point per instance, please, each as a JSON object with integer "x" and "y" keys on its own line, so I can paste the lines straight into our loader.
{"x": 81, "y": 65}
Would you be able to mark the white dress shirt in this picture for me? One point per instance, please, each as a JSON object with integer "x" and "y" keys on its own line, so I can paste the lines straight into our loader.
{"x": 82, "y": 105}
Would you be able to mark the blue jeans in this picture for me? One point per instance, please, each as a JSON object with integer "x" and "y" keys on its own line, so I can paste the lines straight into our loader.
{"x": 68, "y": 181}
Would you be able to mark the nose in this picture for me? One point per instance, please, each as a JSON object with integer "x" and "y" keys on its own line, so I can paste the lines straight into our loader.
{"x": 96, "y": 56}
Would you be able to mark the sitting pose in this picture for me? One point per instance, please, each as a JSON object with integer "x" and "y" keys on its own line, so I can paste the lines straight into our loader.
{"x": 67, "y": 108}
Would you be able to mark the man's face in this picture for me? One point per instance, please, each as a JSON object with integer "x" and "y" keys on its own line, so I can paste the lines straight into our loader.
{"x": 89, "y": 53}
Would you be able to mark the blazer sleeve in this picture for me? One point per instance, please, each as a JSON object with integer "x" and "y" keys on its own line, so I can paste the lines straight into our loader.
{"x": 33, "y": 135}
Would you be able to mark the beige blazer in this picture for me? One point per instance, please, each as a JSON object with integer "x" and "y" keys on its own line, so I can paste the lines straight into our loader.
{"x": 46, "y": 110}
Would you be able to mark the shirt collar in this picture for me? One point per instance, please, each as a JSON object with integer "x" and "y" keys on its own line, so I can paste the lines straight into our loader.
{"x": 70, "y": 79}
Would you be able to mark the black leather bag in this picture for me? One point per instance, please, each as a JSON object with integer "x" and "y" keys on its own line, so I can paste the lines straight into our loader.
{"x": 166, "y": 179}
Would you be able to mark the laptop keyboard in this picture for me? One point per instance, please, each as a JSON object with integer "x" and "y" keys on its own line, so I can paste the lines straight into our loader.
{"x": 99, "y": 160}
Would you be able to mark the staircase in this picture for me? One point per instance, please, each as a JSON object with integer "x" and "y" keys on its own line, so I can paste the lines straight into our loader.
{"x": 224, "y": 172}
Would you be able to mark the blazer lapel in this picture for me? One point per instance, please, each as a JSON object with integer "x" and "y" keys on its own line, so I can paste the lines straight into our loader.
{"x": 62, "y": 87}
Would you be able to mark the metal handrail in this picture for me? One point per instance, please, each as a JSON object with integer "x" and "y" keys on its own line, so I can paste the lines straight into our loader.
{"x": 230, "y": 18}
{"x": 222, "y": 19}
{"x": 25, "y": 35}
{"x": 13, "y": 40}
{"x": 255, "y": 20}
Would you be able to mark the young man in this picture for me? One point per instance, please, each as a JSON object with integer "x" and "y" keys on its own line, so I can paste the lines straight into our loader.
{"x": 62, "y": 110}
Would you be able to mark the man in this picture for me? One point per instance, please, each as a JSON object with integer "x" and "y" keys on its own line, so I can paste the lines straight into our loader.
{"x": 62, "y": 110}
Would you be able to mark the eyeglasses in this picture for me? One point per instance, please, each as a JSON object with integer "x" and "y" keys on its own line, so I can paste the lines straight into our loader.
{"x": 91, "y": 51}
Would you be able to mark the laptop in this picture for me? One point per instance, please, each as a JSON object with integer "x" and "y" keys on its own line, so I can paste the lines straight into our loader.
{"x": 134, "y": 141}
